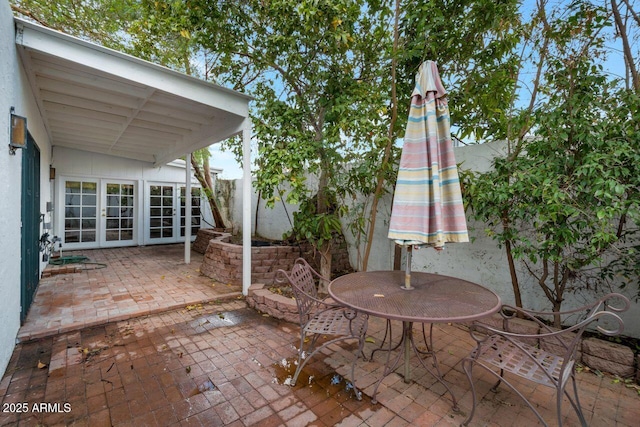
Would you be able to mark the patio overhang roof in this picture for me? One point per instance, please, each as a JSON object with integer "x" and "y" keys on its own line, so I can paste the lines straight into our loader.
{"x": 100, "y": 100}
{"x": 96, "y": 99}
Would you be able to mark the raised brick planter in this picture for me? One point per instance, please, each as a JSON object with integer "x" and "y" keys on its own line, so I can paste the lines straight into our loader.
{"x": 223, "y": 260}
{"x": 278, "y": 306}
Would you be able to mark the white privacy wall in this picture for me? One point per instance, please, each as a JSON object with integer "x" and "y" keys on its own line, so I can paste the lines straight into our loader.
{"x": 480, "y": 261}
{"x": 15, "y": 91}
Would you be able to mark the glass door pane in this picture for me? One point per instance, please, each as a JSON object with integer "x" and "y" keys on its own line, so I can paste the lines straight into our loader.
{"x": 80, "y": 209}
{"x": 195, "y": 210}
{"x": 118, "y": 213}
{"x": 161, "y": 213}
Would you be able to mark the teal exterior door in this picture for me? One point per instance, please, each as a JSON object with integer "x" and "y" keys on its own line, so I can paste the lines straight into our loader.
{"x": 30, "y": 234}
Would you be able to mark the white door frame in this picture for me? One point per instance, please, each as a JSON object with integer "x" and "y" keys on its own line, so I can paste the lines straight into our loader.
{"x": 123, "y": 212}
{"x": 100, "y": 209}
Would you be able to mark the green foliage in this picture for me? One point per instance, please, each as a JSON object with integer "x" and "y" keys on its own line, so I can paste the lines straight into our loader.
{"x": 319, "y": 73}
{"x": 567, "y": 200}
{"x": 475, "y": 45}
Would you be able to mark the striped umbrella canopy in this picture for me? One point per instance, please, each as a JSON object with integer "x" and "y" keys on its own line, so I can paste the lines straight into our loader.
{"x": 427, "y": 205}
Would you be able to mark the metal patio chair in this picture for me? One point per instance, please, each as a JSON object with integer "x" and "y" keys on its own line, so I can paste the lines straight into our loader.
{"x": 321, "y": 317}
{"x": 547, "y": 357}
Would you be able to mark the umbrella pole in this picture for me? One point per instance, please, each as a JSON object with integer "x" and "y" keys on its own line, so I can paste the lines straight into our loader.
{"x": 407, "y": 274}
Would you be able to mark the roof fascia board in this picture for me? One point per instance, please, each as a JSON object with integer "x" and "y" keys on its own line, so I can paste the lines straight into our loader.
{"x": 33, "y": 82}
{"x": 55, "y": 43}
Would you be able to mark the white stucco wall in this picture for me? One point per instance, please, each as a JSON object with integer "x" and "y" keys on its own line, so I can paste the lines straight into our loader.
{"x": 71, "y": 163}
{"x": 15, "y": 91}
{"x": 270, "y": 223}
{"x": 480, "y": 261}
{"x": 10, "y": 184}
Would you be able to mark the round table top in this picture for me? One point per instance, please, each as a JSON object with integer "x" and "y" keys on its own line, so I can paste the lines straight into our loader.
{"x": 433, "y": 299}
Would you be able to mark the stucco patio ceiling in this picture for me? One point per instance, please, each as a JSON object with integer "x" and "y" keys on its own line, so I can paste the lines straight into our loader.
{"x": 100, "y": 100}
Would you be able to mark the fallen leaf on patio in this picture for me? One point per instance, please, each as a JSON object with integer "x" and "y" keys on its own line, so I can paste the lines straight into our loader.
{"x": 370, "y": 339}
{"x": 378, "y": 295}
{"x": 41, "y": 365}
{"x": 265, "y": 315}
{"x": 188, "y": 369}
{"x": 161, "y": 277}
{"x": 188, "y": 276}
{"x": 180, "y": 355}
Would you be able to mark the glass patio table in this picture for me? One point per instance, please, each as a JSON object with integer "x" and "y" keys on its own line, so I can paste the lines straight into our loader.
{"x": 433, "y": 299}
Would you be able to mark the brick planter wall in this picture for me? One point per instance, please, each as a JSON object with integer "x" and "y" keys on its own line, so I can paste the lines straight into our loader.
{"x": 223, "y": 260}
{"x": 278, "y": 306}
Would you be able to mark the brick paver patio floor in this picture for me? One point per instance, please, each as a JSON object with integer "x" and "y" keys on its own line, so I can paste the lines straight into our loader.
{"x": 217, "y": 362}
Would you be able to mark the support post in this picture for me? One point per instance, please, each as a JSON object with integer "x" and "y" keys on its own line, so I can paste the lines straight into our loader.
{"x": 187, "y": 211}
{"x": 246, "y": 207}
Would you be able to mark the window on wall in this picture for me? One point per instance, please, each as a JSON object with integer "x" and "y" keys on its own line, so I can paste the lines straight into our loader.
{"x": 80, "y": 208}
{"x": 195, "y": 210}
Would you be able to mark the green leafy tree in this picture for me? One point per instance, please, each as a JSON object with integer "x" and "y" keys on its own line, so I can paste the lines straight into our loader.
{"x": 565, "y": 199}
{"x": 319, "y": 73}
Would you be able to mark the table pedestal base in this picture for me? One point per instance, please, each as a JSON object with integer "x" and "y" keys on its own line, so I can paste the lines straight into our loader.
{"x": 409, "y": 342}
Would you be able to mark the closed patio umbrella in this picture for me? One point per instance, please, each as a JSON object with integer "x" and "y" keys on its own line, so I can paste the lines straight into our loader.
{"x": 427, "y": 206}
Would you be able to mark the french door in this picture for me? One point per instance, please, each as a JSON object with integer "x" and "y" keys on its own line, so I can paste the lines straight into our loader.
{"x": 166, "y": 212}
{"x": 98, "y": 213}
{"x": 117, "y": 214}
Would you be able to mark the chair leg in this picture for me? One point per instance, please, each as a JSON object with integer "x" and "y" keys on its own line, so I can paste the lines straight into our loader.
{"x": 494, "y": 389}
{"x": 575, "y": 403}
{"x": 508, "y": 384}
{"x": 467, "y": 366}
{"x": 301, "y": 352}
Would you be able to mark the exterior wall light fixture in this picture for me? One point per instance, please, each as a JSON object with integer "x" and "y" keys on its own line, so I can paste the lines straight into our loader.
{"x": 18, "y": 134}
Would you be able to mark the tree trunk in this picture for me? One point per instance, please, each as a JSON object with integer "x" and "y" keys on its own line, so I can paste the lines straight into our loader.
{"x": 325, "y": 264}
{"x": 322, "y": 206}
{"x": 204, "y": 178}
{"x": 387, "y": 148}
{"x": 512, "y": 268}
{"x": 514, "y": 275}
